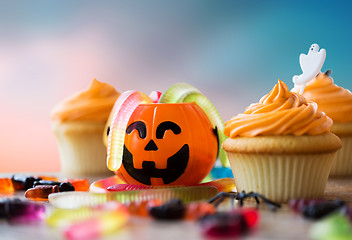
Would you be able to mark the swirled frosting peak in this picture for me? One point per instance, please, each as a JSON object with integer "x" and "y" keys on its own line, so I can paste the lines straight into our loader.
{"x": 91, "y": 105}
{"x": 335, "y": 101}
{"x": 280, "y": 112}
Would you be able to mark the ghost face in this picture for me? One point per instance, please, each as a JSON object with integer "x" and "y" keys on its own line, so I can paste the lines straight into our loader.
{"x": 314, "y": 48}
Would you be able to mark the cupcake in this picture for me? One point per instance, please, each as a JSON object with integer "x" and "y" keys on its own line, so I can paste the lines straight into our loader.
{"x": 336, "y": 102}
{"x": 78, "y": 124}
{"x": 281, "y": 147}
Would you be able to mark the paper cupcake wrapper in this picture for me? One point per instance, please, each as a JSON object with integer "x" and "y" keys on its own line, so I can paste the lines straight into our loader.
{"x": 81, "y": 153}
{"x": 342, "y": 166}
{"x": 282, "y": 177}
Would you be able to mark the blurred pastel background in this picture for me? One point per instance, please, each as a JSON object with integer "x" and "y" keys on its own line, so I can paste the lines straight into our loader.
{"x": 233, "y": 51}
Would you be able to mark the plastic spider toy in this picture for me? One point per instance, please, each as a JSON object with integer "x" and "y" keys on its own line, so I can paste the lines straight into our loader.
{"x": 241, "y": 197}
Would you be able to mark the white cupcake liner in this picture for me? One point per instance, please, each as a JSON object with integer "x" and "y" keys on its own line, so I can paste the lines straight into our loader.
{"x": 282, "y": 177}
{"x": 342, "y": 166}
{"x": 81, "y": 149}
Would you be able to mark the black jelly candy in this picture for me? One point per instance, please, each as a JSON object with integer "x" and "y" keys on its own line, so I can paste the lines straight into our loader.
{"x": 46, "y": 182}
{"x": 319, "y": 210}
{"x": 172, "y": 210}
{"x": 66, "y": 187}
{"x": 23, "y": 182}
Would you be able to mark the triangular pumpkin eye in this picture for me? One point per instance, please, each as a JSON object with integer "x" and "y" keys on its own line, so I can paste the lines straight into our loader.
{"x": 167, "y": 125}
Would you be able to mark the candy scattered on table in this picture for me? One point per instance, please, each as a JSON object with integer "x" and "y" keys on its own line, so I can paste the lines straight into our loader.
{"x": 79, "y": 184}
{"x": 41, "y": 192}
{"x": 127, "y": 187}
{"x": 223, "y": 184}
{"x": 176, "y": 210}
{"x": 63, "y": 186}
{"x": 18, "y": 211}
{"x": 315, "y": 208}
{"x": 32, "y": 185}
{"x": 115, "y": 183}
{"x": 197, "y": 210}
{"x": 334, "y": 227}
{"x": 78, "y": 199}
{"x": 6, "y": 185}
{"x": 155, "y": 96}
{"x": 48, "y": 178}
{"x": 347, "y": 210}
{"x": 221, "y": 172}
{"x": 172, "y": 210}
{"x": 89, "y": 222}
{"x": 66, "y": 187}
{"x": 46, "y": 182}
{"x": 229, "y": 224}
{"x": 23, "y": 182}
{"x": 141, "y": 208}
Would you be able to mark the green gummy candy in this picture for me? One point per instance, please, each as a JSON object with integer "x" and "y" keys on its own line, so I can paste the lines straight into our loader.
{"x": 334, "y": 227}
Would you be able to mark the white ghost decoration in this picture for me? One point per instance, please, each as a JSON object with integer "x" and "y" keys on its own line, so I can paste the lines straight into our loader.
{"x": 311, "y": 65}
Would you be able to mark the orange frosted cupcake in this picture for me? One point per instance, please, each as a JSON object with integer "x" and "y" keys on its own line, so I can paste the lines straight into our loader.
{"x": 281, "y": 147}
{"x": 78, "y": 124}
{"x": 336, "y": 102}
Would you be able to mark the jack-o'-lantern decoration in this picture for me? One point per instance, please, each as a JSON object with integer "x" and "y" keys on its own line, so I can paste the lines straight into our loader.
{"x": 172, "y": 138}
{"x": 168, "y": 144}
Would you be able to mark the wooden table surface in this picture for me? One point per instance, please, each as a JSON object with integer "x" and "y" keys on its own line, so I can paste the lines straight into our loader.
{"x": 283, "y": 224}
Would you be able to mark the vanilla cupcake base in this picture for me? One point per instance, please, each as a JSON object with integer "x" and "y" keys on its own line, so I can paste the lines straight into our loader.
{"x": 282, "y": 167}
{"x": 81, "y": 148}
{"x": 342, "y": 166}
{"x": 280, "y": 177}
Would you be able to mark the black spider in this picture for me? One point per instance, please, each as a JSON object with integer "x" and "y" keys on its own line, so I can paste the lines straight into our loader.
{"x": 219, "y": 198}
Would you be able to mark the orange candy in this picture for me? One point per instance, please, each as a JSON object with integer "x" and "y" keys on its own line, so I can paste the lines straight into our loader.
{"x": 41, "y": 192}
{"x": 195, "y": 211}
{"x": 79, "y": 184}
{"x": 48, "y": 178}
{"x": 6, "y": 185}
{"x": 142, "y": 208}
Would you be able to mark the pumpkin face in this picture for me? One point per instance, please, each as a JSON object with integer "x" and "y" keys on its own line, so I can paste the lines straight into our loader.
{"x": 168, "y": 144}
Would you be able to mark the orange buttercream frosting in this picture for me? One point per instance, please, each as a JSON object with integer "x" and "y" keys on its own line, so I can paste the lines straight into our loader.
{"x": 335, "y": 101}
{"x": 280, "y": 112}
{"x": 91, "y": 105}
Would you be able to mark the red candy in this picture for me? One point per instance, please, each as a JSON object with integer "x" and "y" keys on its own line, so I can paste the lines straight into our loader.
{"x": 6, "y": 185}
{"x": 40, "y": 192}
{"x": 229, "y": 224}
{"x": 251, "y": 216}
{"x": 16, "y": 210}
{"x": 155, "y": 96}
{"x": 127, "y": 187}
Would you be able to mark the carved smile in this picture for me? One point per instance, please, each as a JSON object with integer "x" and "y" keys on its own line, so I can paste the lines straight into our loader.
{"x": 176, "y": 166}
